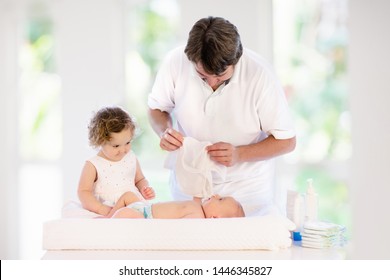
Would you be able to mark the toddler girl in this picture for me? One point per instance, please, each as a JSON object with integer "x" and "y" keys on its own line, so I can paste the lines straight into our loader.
{"x": 115, "y": 169}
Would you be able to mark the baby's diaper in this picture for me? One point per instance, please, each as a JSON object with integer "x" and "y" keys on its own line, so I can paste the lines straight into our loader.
{"x": 142, "y": 207}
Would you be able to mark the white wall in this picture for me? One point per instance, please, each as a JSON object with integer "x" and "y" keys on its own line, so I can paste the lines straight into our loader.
{"x": 90, "y": 51}
{"x": 9, "y": 36}
{"x": 369, "y": 60}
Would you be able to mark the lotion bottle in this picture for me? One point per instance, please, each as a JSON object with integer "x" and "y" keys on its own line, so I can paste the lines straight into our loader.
{"x": 311, "y": 202}
{"x": 295, "y": 212}
{"x": 298, "y": 217}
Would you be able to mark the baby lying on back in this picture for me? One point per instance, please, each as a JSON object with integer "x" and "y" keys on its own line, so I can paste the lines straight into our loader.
{"x": 130, "y": 206}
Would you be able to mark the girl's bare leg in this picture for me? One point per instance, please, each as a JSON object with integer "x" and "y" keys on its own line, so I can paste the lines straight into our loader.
{"x": 126, "y": 199}
{"x": 127, "y": 213}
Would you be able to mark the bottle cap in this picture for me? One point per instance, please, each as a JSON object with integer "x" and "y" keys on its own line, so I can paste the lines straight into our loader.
{"x": 310, "y": 188}
{"x": 296, "y": 236}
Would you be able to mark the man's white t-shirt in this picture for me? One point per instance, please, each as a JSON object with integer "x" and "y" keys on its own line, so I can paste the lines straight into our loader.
{"x": 244, "y": 110}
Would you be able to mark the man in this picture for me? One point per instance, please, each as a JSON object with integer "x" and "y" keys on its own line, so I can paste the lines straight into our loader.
{"x": 215, "y": 90}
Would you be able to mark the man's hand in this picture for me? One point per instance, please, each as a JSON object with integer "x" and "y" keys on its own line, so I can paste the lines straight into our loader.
{"x": 171, "y": 140}
{"x": 223, "y": 153}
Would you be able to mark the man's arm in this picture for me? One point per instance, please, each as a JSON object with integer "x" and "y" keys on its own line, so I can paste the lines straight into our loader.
{"x": 228, "y": 155}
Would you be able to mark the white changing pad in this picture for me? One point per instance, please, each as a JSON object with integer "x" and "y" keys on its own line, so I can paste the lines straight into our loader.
{"x": 86, "y": 233}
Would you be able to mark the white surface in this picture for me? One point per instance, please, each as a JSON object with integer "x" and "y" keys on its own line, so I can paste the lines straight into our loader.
{"x": 293, "y": 253}
{"x": 266, "y": 232}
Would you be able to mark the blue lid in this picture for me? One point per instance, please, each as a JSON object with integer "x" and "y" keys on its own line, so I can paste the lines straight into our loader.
{"x": 296, "y": 236}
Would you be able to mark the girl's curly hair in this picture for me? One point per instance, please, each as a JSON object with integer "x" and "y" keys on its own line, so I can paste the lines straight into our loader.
{"x": 106, "y": 121}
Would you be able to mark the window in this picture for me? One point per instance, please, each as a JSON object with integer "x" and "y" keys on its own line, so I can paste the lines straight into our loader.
{"x": 151, "y": 32}
{"x": 311, "y": 41}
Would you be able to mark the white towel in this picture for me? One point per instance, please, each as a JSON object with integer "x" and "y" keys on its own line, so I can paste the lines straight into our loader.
{"x": 193, "y": 168}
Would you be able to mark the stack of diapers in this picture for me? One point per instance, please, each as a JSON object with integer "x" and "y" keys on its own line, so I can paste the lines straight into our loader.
{"x": 78, "y": 230}
{"x": 319, "y": 235}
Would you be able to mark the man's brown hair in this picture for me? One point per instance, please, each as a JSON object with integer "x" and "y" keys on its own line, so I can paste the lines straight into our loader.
{"x": 215, "y": 43}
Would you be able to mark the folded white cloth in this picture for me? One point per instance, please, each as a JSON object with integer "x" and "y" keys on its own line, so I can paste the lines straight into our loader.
{"x": 193, "y": 168}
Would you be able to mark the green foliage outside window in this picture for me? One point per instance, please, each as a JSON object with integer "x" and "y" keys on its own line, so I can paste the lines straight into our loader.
{"x": 311, "y": 44}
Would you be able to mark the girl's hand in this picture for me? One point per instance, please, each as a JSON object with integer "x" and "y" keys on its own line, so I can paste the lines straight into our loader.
{"x": 148, "y": 193}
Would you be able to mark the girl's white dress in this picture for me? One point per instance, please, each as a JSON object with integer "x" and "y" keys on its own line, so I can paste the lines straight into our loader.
{"x": 114, "y": 178}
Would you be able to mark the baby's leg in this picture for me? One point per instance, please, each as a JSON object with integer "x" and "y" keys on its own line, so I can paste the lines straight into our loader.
{"x": 128, "y": 213}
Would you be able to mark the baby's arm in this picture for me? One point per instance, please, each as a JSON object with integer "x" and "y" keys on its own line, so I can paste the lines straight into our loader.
{"x": 86, "y": 191}
{"x": 142, "y": 184}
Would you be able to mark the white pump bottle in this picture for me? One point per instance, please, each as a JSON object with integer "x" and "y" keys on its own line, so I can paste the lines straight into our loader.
{"x": 311, "y": 202}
